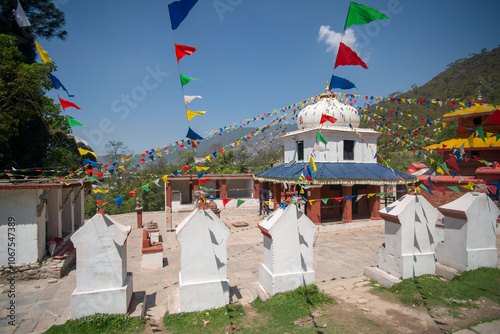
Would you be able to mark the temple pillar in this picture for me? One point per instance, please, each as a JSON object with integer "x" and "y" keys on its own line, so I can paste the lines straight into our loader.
{"x": 196, "y": 185}
{"x": 398, "y": 188}
{"x": 256, "y": 188}
{"x": 314, "y": 210}
{"x": 347, "y": 209}
{"x": 276, "y": 188}
{"x": 374, "y": 202}
{"x": 223, "y": 189}
{"x": 168, "y": 205}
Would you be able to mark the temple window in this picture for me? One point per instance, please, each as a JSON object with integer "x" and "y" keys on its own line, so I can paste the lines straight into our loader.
{"x": 348, "y": 149}
{"x": 300, "y": 150}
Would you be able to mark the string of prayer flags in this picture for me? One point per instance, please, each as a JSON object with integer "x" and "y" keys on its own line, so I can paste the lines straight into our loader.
{"x": 320, "y": 137}
{"x": 84, "y": 151}
{"x": 21, "y": 19}
{"x": 193, "y": 135}
{"x": 189, "y": 98}
{"x": 66, "y": 104}
{"x": 185, "y": 80}
{"x": 57, "y": 83}
{"x": 361, "y": 14}
{"x": 118, "y": 201}
{"x": 327, "y": 118}
{"x": 338, "y": 82}
{"x": 183, "y": 50}
{"x": 179, "y": 10}
{"x": 190, "y": 114}
{"x": 43, "y": 54}
{"x": 346, "y": 56}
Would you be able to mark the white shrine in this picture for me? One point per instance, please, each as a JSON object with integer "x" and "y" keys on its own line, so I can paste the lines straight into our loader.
{"x": 409, "y": 241}
{"x": 288, "y": 250}
{"x": 103, "y": 284}
{"x": 469, "y": 233}
{"x": 345, "y": 157}
{"x": 203, "y": 282}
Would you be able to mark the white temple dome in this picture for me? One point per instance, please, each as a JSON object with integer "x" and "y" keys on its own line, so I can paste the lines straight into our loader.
{"x": 328, "y": 104}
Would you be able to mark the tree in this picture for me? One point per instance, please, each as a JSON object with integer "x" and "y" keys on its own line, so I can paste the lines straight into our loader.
{"x": 114, "y": 150}
{"x": 46, "y": 20}
{"x": 32, "y": 128}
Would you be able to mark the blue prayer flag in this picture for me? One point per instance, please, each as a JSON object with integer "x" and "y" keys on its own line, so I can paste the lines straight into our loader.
{"x": 118, "y": 201}
{"x": 58, "y": 84}
{"x": 193, "y": 135}
{"x": 338, "y": 82}
{"x": 86, "y": 162}
{"x": 179, "y": 10}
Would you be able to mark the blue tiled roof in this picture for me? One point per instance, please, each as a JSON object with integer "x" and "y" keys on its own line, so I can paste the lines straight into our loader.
{"x": 338, "y": 172}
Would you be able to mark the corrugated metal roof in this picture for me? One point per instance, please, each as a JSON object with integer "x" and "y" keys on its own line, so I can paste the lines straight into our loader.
{"x": 339, "y": 173}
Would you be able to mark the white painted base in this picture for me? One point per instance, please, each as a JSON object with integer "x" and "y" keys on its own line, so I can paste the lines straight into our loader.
{"x": 283, "y": 282}
{"x": 470, "y": 259}
{"x": 110, "y": 301}
{"x": 382, "y": 276}
{"x": 203, "y": 296}
{"x": 152, "y": 260}
{"x": 407, "y": 266}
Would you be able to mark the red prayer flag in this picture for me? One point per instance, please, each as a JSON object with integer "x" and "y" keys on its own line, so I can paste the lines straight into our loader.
{"x": 452, "y": 162}
{"x": 203, "y": 180}
{"x": 346, "y": 56}
{"x": 183, "y": 50}
{"x": 132, "y": 193}
{"x": 495, "y": 118}
{"x": 325, "y": 118}
{"x": 65, "y": 104}
{"x": 225, "y": 201}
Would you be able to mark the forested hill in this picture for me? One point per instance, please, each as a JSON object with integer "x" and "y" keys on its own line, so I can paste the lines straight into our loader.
{"x": 462, "y": 80}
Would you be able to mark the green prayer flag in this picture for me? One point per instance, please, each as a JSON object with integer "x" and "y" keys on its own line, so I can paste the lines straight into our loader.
{"x": 239, "y": 203}
{"x": 324, "y": 200}
{"x": 445, "y": 168}
{"x": 185, "y": 79}
{"x": 361, "y": 14}
{"x": 146, "y": 187}
{"x": 480, "y": 133}
{"x": 380, "y": 194}
{"x": 455, "y": 189}
{"x": 92, "y": 179}
{"x": 321, "y": 138}
{"x": 73, "y": 122}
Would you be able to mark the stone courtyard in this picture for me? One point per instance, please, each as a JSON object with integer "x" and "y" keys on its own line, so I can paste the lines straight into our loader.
{"x": 340, "y": 258}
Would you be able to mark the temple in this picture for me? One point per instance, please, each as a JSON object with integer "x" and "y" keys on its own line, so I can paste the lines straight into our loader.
{"x": 345, "y": 159}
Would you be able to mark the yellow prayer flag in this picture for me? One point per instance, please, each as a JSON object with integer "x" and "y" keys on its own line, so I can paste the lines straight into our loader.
{"x": 100, "y": 191}
{"x": 311, "y": 160}
{"x": 208, "y": 158}
{"x": 159, "y": 153}
{"x": 164, "y": 178}
{"x": 311, "y": 201}
{"x": 190, "y": 114}
{"x": 370, "y": 195}
{"x": 43, "y": 54}
{"x": 201, "y": 169}
{"x": 84, "y": 151}
{"x": 440, "y": 171}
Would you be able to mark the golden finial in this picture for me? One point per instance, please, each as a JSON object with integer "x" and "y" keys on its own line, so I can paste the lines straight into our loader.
{"x": 327, "y": 87}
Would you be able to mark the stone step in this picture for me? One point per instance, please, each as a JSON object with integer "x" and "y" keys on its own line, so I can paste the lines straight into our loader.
{"x": 261, "y": 293}
{"x": 381, "y": 276}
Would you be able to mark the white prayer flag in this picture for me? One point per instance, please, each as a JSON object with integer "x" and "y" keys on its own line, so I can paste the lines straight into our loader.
{"x": 189, "y": 98}
{"x": 21, "y": 18}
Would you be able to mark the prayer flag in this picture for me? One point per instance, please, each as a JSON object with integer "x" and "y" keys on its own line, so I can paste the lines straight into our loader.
{"x": 311, "y": 160}
{"x": 87, "y": 162}
{"x": 190, "y": 114}
{"x": 455, "y": 189}
{"x": 43, "y": 54}
{"x": 79, "y": 140}
{"x": 494, "y": 118}
{"x": 164, "y": 178}
{"x": 239, "y": 203}
{"x": 118, "y": 201}
{"x": 183, "y": 50}
{"x": 21, "y": 19}
{"x": 100, "y": 191}
{"x": 338, "y": 82}
{"x": 84, "y": 151}
{"x": 156, "y": 182}
{"x": 189, "y": 98}
{"x": 185, "y": 80}
{"x": 361, "y": 14}
{"x": 328, "y": 118}
{"x": 225, "y": 201}
{"x": 193, "y": 135}
{"x": 452, "y": 162}
{"x": 146, "y": 187}
{"x": 66, "y": 104}
{"x": 320, "y": 137}
{"x": 201, "y": 169}
{"x": 324, "y": 200}
{"x": 57, "y": 83}
{"x": 346, "y": 56}
{"x": 203, "y": 180}
{"x": 179, "y": 10}
{"x": 132, "y": 193}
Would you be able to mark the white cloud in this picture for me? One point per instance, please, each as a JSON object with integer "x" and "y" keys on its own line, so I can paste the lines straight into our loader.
{"x": 332, "y": 38}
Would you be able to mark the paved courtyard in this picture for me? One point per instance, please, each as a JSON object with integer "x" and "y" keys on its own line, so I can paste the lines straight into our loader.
{"x": 340, "y": 257}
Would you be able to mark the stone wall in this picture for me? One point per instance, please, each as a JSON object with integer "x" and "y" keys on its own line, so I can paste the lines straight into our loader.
{"x": 47, "y": 268}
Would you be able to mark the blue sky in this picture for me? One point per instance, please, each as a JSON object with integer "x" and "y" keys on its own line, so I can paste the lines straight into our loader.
{"x": 253, "y": 57}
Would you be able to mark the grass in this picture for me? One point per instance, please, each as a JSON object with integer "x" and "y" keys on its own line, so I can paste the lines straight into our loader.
{"x": 459, "y": 292}
{"x": 100, "y": 323}
{"x": 276, "y": 315}
{"x": 220, "y": 319}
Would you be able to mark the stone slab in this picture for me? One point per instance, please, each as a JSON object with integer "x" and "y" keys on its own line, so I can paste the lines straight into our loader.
{"x": 381, "y": 276}
{"x": 446, "y": 272}
{"x": 488, "y": 327}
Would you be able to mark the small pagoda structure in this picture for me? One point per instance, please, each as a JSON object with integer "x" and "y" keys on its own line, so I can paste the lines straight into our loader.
{"x": 345, "y": 159}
